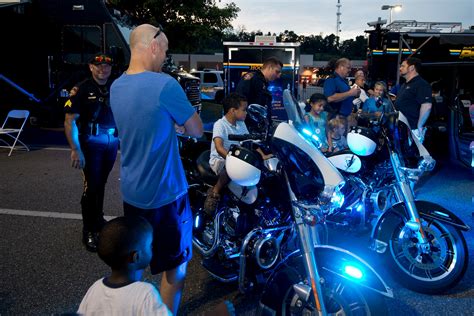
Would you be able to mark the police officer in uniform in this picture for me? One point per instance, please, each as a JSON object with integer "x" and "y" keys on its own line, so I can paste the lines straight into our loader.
{"x": 91, "y": 133}
{"x": 253, "y": 86}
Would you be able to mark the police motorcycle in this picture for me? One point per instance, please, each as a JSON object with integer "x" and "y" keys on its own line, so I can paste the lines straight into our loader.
{"x": 264, "y": 233}
{"x": 421, "y": 241}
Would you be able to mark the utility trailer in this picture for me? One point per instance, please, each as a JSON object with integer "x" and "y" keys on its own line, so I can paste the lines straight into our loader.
{"x": 447, "y": 53}
{"x": 243, "y": 57}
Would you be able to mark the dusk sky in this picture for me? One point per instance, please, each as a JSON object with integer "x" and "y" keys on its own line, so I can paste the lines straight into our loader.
{"x": 306, "y": 17}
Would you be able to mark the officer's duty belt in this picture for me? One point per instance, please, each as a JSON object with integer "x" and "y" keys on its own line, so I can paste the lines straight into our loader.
{"x": 95, "y": 129}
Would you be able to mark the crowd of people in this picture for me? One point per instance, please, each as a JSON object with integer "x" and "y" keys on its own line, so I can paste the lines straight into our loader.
{"x": 144, "y": 110}
{"x": 331, "y": 115}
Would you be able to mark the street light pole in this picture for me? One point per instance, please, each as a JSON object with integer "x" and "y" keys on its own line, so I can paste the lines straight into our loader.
{"x": 397, "y": 7}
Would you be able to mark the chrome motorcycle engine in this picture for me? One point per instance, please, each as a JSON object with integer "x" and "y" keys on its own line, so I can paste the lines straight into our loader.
{"x": 231, "y": 217}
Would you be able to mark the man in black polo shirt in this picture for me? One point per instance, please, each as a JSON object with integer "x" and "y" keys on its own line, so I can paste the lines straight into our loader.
{"x": 253, "y": 85}
{"x": 414, "y": 97}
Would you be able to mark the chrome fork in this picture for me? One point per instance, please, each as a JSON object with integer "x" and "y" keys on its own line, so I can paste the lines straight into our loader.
{"x": 404, "y": 193}
{"x": 307, "y": 243}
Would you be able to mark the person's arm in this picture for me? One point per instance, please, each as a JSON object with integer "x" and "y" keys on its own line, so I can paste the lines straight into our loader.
{"x": 243, "y": 87}
{"x": 219, "y": 143}
{"x": 181, "y": 111}
{"x": 425, "y": 111}
{"x": 306, "y": 118}
{"x": 341, "y": 96}
{"x": 264, "y": 157}
{"x": 329, "y": 139}
{"x": 424, "y": 98}
{"x": 152, "y": 304}
{"x": 72, "y": 135}
{"x": 193, "y": 126}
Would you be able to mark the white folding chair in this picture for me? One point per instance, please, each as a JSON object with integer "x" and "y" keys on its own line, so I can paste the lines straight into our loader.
{"x": 10, "y": 132}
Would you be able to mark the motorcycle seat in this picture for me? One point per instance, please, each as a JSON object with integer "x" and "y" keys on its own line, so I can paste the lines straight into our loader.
{"x": 204, "y": 169}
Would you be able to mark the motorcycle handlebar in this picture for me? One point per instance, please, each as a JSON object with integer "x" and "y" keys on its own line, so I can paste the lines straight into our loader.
{"x": 244, "y": 137}
{"x": 374, "y": 116}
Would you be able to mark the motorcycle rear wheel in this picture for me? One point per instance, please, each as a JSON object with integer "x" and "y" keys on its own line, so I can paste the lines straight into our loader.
{"x": 340, "y": 296}
{"x": 435, "y": 272}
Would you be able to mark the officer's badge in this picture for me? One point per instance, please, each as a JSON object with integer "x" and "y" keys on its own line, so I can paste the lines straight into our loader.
{"x": 248, "y": 76}
{"x": 68, "y": 103}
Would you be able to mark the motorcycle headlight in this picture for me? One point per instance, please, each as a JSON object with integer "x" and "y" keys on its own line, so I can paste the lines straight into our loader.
{"x": 337, "y": 199}
{"x": 332, "y": 196}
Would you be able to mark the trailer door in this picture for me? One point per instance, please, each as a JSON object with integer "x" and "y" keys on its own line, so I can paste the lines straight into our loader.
{"x": 240, "y": 58}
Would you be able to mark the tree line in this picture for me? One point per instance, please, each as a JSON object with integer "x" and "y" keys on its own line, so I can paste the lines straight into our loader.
{"x": 201, "y": 26}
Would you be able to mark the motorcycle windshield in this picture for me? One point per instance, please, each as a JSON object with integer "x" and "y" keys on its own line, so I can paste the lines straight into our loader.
{"x": 305, "y": 155}
{"x": 292, "y": 108}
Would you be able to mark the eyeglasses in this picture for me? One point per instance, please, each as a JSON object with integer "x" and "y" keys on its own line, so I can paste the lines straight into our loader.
{"x": 160, "y": 29}
{"x": 102, "y": 59}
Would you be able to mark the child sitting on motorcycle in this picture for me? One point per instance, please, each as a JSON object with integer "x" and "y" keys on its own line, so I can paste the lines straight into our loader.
{"x": 316, "y": 118}
{"x": 377, "y": 103}
{"x": 336, "y": 130}
{"x": 235, "y": 111}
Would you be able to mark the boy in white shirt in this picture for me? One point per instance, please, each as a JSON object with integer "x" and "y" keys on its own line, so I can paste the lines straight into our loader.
{"x": 233, "y": 122}
{"x": 125, "y": 244}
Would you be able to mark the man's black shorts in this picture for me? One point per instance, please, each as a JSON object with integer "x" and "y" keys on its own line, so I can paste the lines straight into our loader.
{"x": 172, "y": 233}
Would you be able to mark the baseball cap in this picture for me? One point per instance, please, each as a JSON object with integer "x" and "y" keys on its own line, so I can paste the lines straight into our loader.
{"x": 99, "y": 59}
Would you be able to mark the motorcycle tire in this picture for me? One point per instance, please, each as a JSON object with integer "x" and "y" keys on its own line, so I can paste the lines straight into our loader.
{"x": 430, "y": 273}
{"x": 340, "y": 296}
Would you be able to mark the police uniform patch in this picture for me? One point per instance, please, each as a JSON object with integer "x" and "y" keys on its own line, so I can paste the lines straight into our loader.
{"x": 248, "y": 76}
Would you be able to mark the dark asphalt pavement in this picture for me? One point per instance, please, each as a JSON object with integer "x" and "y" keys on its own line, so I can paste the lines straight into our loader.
{"x": 46, "y": 270}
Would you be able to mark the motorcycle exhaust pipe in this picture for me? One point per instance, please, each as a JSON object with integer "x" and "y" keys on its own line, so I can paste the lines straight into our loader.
{"x": 379, "y": 201}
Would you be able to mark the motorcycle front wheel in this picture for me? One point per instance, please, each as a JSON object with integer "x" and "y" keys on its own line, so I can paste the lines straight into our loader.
{"x": 430, "y": 272}
{"x": 340, "y": 296}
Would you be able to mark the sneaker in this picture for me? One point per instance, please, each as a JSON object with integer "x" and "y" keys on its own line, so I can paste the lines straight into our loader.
{"x": 211, "y": 202}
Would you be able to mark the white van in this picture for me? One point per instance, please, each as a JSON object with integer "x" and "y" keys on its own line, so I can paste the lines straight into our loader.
{"x": 212, "y": 84}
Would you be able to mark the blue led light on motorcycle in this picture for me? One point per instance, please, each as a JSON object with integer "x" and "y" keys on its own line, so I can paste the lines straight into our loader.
{"x": 353, "y": 272}
{"x": 197, "y": 221}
